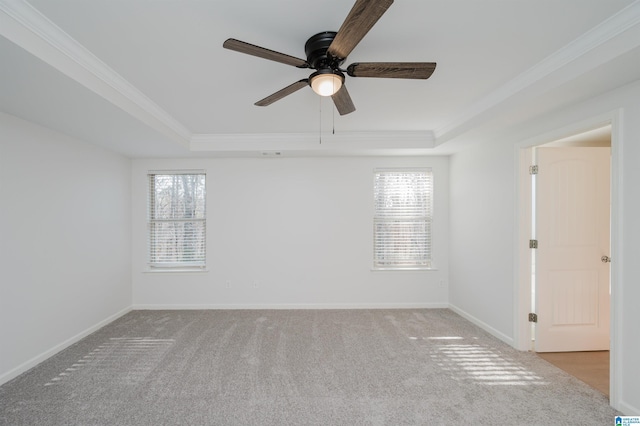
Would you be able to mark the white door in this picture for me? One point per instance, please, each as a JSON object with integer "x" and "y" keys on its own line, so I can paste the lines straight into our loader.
{"x": 572, "y": 229}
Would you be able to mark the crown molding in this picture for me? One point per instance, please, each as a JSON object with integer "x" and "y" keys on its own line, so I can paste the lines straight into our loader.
{"x": 423, "y": 137}
{"x": 31, "y": 30}
{"x": 608, "y": 30}
{"x": 358, "y": 143}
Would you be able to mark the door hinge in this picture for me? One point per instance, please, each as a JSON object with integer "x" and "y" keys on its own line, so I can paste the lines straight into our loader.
{"x": 533, "y": 170}
{"x": 533, "y": 244}
{"x": 533, "y": 317}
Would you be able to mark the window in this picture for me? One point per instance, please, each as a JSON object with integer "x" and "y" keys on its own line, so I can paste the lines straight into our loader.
{"x": 402, "y": 219}
{"x": 177, "y": 220}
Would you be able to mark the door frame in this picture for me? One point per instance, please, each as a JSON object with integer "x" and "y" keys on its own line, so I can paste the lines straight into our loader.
{"x": 522, "y": 233}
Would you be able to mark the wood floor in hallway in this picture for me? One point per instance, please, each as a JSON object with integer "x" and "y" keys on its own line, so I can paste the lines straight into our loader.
{"x": 590, "y": 367}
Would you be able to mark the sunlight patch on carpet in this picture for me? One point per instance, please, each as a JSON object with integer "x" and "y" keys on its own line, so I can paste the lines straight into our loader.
{"x": 137, "y": 356}
{"x": 483, "y": 365}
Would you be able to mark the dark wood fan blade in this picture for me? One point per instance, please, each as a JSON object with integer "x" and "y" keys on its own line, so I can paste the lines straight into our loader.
{"x": 261, "y": 52}
{"x": 362, "y": 17}
{"x": 342, "y": 101}
{"x": 283, "y": 92}
{"x": 414, "y": 70}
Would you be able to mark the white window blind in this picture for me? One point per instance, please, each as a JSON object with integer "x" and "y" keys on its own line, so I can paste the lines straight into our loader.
{"x": 402, "y": 219}
{"x": 177, "y": 220}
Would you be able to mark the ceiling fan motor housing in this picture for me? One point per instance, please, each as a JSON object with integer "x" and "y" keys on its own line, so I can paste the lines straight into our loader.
{"x": 316, "y": 50}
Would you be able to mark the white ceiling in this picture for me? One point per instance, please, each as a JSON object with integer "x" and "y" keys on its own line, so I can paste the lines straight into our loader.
{"x": 149, "y": 78}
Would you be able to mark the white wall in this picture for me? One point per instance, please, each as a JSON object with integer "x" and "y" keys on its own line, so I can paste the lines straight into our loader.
{"x": 481, "y": 237}
{"x": 299, "y": 228}
{"x": 483, "y": 228}
{"x": 65, "y": 257}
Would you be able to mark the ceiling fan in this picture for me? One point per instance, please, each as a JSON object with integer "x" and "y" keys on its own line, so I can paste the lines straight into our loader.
{"x": 326, "y": 51}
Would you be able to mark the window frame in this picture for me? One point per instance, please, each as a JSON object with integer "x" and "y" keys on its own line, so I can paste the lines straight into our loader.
{"x": 154, "y": 265}
{"x": 404, "y": 264}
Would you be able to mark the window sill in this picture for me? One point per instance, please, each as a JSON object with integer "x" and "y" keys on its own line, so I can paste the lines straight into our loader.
{"x": 175, "y": 271}
{"x": 403, "y": 269}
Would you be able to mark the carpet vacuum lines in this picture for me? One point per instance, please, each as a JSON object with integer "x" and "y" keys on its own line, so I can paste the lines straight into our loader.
{"x": 297, "y": 367}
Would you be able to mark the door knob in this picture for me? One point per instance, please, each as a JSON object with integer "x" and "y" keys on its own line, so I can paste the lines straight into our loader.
{"x": 605, "y": 259}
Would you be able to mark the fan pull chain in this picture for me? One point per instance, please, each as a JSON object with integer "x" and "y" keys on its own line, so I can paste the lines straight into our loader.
{"x": 333, "y": 110}
{"x": 320, "y": 118}
{"x": 333, "y": 121}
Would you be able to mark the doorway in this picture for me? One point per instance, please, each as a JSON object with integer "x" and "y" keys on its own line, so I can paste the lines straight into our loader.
{"x": 590, "y": 367}
{"x": 571, "y": 299}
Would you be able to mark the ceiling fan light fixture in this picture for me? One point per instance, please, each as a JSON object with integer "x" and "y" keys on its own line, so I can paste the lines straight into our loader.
{"x": 326, "y": 82}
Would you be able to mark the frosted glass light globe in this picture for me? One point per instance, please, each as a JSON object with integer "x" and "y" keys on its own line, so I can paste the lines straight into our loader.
{"x": 326, "y": 84}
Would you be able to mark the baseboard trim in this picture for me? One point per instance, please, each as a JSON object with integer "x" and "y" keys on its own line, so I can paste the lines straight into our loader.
{"x": 15, "y": 372}
{"x": 486, "y": 327}
{"x": 282, "y": 306}
{"x": 627, "y": 409}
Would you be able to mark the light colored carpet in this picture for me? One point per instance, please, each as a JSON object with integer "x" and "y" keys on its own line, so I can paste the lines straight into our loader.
{"x": 303, "y": 367}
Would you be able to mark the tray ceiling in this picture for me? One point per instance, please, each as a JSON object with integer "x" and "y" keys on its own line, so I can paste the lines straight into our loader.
{"x": 150, "y": 78}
